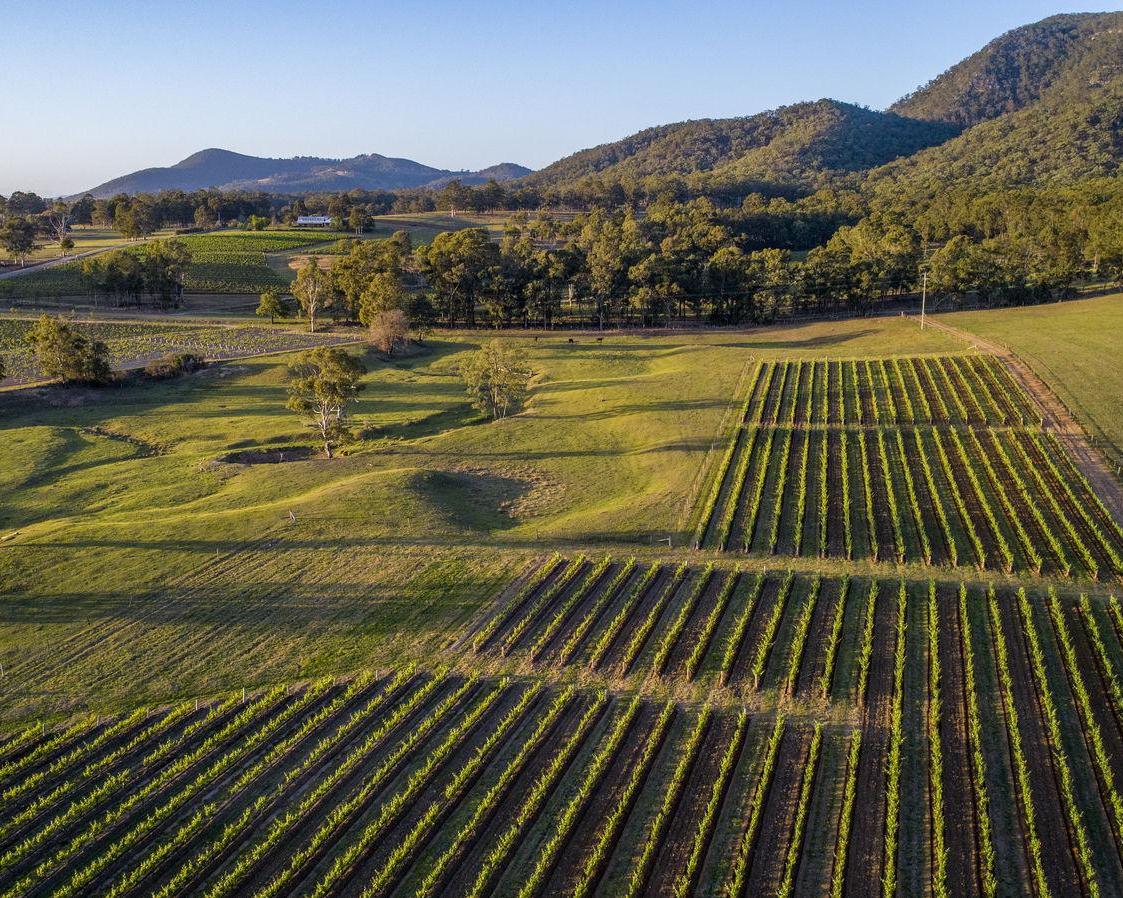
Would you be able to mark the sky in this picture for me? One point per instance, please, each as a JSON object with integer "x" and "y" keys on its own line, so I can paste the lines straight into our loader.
{"x": 93, "y": 90}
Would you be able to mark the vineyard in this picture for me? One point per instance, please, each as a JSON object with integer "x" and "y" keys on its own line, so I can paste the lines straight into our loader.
{"x": 934, "y": 461}
{"x": 223, "y": 262}
{"x": 236, "y": 262}
{"x": 891, "y": 664}
{"x": 978, "y": 745}
{"x": 132, "y": 343}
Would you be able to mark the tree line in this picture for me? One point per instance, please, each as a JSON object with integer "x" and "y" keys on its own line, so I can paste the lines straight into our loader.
{"x": 697, "y": 261}
{"x": 151, "y": 273}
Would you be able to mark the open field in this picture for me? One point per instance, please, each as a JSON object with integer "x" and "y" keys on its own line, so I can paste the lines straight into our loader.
{"x": 1074, "y": 348}
{"x": 134, "y": 343}
{"x": 424, "y": 226}
{"x": 85, "y": 238}
{"x": 117, "y": 495}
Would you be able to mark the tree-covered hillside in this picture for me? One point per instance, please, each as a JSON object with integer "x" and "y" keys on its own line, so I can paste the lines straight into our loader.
{"x": 1070, "y": 126}
{"x": 792, "y": 145}
{"x": 1039, "y": 105}
{"x": 1062, "y": 141}
{"x": 1015, "y": 70}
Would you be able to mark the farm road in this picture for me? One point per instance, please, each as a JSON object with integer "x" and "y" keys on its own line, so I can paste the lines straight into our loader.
{"x": 61, "y": 260}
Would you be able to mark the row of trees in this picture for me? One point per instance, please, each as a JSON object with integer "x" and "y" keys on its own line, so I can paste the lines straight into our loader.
{"x": 649, "y": 261}
{"x": 152, "y": 273}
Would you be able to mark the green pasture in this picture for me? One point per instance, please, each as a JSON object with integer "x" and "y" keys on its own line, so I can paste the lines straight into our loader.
{"x": 133, "y": 509}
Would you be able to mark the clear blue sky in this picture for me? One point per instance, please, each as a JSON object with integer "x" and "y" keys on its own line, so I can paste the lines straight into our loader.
{"x": 92, "y": 90}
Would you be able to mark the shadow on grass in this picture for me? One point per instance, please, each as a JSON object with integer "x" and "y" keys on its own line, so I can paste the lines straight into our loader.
{"x": 639, "y": 408}
{"x": 461, "y": 415}
{"x": 809, "y": 343}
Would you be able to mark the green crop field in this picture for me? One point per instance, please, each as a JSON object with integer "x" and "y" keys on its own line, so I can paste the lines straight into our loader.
{"x": 936, "y": 460}
{"x": 786, "y": 611}
{"x": 222, "y": 262}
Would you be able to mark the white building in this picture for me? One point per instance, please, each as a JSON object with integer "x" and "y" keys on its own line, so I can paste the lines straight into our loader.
{"x": 321, "y": 221}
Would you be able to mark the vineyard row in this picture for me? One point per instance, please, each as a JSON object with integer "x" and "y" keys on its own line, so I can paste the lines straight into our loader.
{"x": 1006, "y": 500}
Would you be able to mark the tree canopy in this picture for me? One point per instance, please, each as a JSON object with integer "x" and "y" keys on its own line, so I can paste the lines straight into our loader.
{"x": 322, "y": 382}
{"x": 497, "y": 378}
{"x": 64, "y": 353}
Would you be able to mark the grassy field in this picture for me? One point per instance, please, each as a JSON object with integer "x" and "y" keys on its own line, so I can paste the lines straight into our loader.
{"x": 1074, "y": 348}
{"x": 117, "y": 493}
{"x": 85, "y": 238}
{"x": 424, "y": 226}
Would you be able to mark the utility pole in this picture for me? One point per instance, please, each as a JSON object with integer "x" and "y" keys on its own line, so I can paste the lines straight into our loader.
{"x": 923, "y": 299}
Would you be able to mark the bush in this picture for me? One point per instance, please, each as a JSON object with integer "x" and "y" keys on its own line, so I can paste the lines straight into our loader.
{"x": 174, "y": 364}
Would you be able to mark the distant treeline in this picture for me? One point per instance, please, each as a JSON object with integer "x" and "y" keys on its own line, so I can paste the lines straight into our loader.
{"x": 651, "y": 262}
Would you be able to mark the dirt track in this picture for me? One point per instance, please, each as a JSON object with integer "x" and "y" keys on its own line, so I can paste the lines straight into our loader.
{"x": 1055, "y": 417}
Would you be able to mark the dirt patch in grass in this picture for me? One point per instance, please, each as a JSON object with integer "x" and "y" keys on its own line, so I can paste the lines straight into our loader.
{"x": 527, "y": 492}
{"x": 272, "y": 456}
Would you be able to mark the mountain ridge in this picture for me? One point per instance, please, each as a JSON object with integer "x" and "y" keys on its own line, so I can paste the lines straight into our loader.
{"x": 1042, "y": 103}
{"x": 793, "y": 144}
{"x": 1013, "y": 71}
{"x": 1067, "y": 127}
{"x": 216, "y": 168}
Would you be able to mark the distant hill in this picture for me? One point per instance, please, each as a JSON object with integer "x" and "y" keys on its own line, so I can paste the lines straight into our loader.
{"x": 795, "y": 144}
{"x": 1015, "y": 70}
{"x": 224, "y": 169}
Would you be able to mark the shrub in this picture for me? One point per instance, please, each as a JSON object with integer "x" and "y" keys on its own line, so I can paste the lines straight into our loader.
{"x": 64, "y": 353}
{"x": 174, "y": 364}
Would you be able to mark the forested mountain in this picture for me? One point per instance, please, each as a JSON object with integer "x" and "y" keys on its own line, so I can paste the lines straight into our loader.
{"x": 224, "y": 169}
{"x": 792, "y": 145}
{"x": 1042, "y": 104}
{"x": 1014, "y": 71}
{"x": 1048, "y": 143}
{"x": 1069, "y": 126}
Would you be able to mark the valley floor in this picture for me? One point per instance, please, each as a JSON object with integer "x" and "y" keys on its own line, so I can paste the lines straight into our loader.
{"x": 790, "y": 610}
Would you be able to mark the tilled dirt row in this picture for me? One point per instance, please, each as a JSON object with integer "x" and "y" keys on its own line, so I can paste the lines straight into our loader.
{"x": 960, "y": 811}
{"x": 866, "y": 862}
{"x": 1059, "y": 863}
